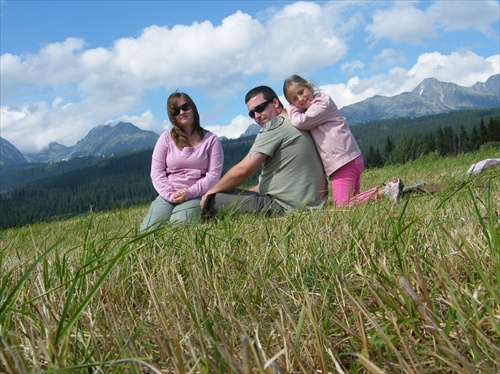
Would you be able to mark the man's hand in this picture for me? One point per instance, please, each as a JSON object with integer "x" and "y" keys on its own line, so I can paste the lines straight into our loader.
{"x": 203, "y": 198}
{"x": 237, "y": 174}
{"x": 254, "y": 188}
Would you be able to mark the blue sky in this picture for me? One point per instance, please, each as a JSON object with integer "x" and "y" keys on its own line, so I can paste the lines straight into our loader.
{"x": 68, "y": 66}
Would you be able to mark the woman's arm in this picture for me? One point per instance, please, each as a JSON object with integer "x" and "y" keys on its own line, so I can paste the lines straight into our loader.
{"x": 159, "y": 177}
{"x": 214, "y": 170}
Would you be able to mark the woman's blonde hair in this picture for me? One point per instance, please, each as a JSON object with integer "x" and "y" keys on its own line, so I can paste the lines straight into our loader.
{"x": 178, "y": 134}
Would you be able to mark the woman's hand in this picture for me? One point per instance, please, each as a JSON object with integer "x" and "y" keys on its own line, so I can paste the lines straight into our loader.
{"x": 180, "y": 196}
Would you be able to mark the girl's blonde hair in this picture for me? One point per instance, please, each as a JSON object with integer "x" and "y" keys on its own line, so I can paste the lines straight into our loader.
{"x": 297, "y": 80}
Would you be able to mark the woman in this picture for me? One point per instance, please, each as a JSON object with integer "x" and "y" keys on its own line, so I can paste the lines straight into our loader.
{"x": 186, "y": 163}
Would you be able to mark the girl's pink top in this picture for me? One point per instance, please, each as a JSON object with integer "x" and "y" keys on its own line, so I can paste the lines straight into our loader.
{"x": 331, "y": 133}
{"x": 196, "y": 168}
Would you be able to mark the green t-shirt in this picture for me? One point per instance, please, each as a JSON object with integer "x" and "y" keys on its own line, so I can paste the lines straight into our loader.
{"x": 293, "y": 173}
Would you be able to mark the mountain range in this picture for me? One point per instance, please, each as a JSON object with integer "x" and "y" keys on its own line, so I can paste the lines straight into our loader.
{"x": 430, "y": 97}
{"x": 102, "y": 140}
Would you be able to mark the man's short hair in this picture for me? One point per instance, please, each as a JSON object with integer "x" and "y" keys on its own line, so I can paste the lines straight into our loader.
{"x": 266, "y": 91}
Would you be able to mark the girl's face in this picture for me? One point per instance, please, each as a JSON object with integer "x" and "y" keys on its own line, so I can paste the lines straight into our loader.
{"x": 300, "y": 96}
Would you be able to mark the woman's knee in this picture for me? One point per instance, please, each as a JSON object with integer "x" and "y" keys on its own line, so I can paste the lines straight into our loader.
{"x": 189, "y": 211}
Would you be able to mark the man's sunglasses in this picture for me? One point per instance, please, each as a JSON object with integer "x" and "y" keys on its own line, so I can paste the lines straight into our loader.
{"x": 260, "y": 108}
{"x": 184, "y": 107}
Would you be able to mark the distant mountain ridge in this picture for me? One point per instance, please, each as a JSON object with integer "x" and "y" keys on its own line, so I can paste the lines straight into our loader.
{"x": 103, "y": 140}
{"x": 430, "y": 97}
{"x": 10, "y": 155}
{"x": 251, "y": 130}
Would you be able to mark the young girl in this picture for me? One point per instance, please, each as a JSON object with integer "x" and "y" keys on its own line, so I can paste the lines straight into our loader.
{"x": 313, "y": 110}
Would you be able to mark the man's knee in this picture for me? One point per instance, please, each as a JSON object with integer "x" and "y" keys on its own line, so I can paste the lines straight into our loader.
{"x": 241, "y": 202}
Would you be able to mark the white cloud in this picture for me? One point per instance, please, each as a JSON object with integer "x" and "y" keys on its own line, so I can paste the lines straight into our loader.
{"x": 387, "y": 58}
{"x": 301, "y": 39}
{"x": 27, "y": 126}
{"x": 57, "y": 101}
{"x": 462, "y": 67}
{"x": 403, "y": 23}
{"x": 235, "y": 129}
{"x": 9, "y": 115}
{"x": 201, "y": 55}
{"x": 54, "y": 64}
{"x": 464, "y": 15}
{"x": 351, "y": 66}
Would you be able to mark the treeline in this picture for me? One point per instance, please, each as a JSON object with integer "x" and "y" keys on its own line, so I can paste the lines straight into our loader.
{"x": 114, "y": 182}
{"x": 444, "y": 142}
{"x": 375, "y": 133}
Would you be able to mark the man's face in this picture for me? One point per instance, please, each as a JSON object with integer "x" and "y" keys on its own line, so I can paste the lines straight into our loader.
{"x": 270, "y": 110}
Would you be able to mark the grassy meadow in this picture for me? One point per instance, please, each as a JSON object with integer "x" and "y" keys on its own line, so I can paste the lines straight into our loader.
{"x": 406, "y": 288}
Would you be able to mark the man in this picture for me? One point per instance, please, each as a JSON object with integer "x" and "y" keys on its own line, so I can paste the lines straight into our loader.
{"x": 292, "y": 175}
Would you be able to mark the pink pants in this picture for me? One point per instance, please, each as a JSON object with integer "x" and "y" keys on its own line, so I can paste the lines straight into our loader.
{"x": 346, "y": 184}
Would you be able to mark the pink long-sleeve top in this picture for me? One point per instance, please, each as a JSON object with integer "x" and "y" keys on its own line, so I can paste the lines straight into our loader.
{"x": 196, "y": 168}
{"x": 331, "y": 133}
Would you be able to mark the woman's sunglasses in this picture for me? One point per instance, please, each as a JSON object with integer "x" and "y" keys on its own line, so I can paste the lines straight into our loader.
{"x": 260, "y": 108}
{"x": 184, "y": 107}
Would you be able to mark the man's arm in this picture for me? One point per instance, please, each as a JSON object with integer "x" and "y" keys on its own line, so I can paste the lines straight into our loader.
{"x": 237, "y": 174}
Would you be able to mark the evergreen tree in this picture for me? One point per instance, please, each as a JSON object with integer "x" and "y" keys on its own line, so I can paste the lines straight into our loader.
{"x": 370, "y": 157}
{"x": 429, "y": 144}
{"x": 463, "y": 140}
{"x": 494, "y": 129}
{"x": 379, "y": 160}
{"x": 474, "y": 140}
{"x": 451, "y": 148}
{"x": 483, "y": 133}
{"x": 446, "y": 143}
{"x": 408, "y": 148}
{"x": 389, "y": 147}
{"x": 374, "y": 158}
{"x": 441, "y": 143}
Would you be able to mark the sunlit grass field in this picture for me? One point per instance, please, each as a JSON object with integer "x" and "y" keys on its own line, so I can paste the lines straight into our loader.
{"x": 405, "y": 288}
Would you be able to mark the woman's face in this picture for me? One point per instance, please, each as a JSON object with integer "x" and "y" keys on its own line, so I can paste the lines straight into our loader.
{"x": 300, "y": 96}
{"x": 185, "y": 115}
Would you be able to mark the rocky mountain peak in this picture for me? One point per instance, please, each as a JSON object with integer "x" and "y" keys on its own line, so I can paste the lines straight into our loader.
{"x": 10, "y": 155}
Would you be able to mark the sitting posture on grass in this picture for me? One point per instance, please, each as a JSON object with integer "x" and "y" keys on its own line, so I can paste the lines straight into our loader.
{"x": 292, "y": 175}
{"x": 343, "y": 163}
{"x": 186, "y": 162}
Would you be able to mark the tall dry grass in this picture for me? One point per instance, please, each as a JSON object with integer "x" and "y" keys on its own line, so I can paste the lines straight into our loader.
{"x": 412, "y": 287}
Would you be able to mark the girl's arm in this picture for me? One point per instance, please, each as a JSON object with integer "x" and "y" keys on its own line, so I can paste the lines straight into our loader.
{"x": 318, "y": 113}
